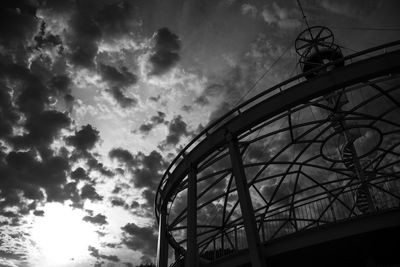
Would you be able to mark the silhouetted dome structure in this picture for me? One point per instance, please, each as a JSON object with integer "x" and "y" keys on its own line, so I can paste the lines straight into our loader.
{"x": 305, "y": 173}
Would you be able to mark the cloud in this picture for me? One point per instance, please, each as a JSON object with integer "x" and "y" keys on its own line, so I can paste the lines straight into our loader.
{"x": 99, "y": 219}
{"x": 9, "y": 115}
{"x": 24, "y": 23}
{"x": 89, "y": 23}
{"x": 38, "y": 213}
{"x": 95, "y": 253}
{"x": 33, "y": 95}
{"x": 9, "y": 214}
{"x": 249, "y": 10}
{"x": 236, "y": 85}
{"x": 134, "y": 205}
{"x": 149, "y": 195}
{"x": 149, "y": 170}
{"x": 155, "y": 98}
{"x": 89, "y": 192}
{"x": 116, "y": 19}
{"x": 122, "y": 99}
{"x": 11, "y": 255}
{"x": 61, "y": 83}
{"x": 187, "y": 108}
{"x": 84, "y": 37}
{"x": 257, "y": 152}
{"x": 71, "y": 192}
{"x": 122, "y": 155}
{"x": 279, "y": 16}
{"x": 145, "y": 170}
{"x": 29, "y": 109}
{"x": 143, "y": 239}
{"x": 57, "y": 6}
{"x": 154, "y": 121}
{"x": 146, "y": 128}
{"x": 45, "y": 38}
{"x": 94, "y": 164}
{"x": 84, "y": 139}
{"x": 79, "y": 174}
{"x": 284, "y": 191}
{"x": 118, "y": 202}
{"x": 42, "y": 127}
{"x": 210, "y": 213}
{"x": 202, "y": 101}
{"x": 355, "y": 9}
{"x": 115, "y": 77}
{"x": 159, "y": 118}
{"x": 177, "y": 129}
{"x": 24, "y": 172}
{"x": 165, "y": 52}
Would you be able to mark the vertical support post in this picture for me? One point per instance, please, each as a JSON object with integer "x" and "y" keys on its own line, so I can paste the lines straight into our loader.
{"x": 192, "y": 250}
{"x": 293, "y": 216}
{"x": 262, "y": 231}
{"x": 215, "y": 249}
{"x": 222, "y": 242}
{"x": 236, "y": 240}
{"x": 162, "y": 246}
{"x": 246, "y": 206}
{"x": 331, "y": 207}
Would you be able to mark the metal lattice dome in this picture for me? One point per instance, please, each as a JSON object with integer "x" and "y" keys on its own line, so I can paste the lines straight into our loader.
{"x": 314, "y": 153}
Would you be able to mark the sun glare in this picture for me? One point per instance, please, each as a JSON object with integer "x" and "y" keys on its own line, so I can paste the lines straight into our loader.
{"x": 61, "y": 237}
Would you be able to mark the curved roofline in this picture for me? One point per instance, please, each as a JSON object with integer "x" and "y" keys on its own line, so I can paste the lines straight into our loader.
{"x": 249, "y": 114}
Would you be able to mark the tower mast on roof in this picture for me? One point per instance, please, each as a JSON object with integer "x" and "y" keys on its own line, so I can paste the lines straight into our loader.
{"x": 316, "y": 47}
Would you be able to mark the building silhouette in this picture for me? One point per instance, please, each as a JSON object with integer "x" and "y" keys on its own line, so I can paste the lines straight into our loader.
{"x": 306, "y": 173}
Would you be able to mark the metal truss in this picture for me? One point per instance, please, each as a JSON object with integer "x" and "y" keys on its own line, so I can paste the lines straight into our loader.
{"x": 301, "y": 155}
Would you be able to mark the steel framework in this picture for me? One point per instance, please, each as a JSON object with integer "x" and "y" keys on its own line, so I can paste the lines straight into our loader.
{"x": 313, "y": 151}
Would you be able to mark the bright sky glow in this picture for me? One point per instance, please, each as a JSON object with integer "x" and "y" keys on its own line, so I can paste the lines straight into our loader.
{"x": 61, "y": 237}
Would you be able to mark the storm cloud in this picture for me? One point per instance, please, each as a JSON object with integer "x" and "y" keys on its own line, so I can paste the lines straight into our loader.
{"x": 165, "y": 51}
{"x": 139, "y": 238}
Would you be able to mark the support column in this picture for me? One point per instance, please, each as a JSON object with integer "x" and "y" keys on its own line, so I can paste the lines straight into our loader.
{"x": 162, "y": 246}
{"x": 192, "y": 250}
{"x": 246, "y": 206}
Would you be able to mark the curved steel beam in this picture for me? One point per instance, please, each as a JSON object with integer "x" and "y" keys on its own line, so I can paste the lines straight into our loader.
{"x": 385, "y": 64}
{"x": 250, "y": 117}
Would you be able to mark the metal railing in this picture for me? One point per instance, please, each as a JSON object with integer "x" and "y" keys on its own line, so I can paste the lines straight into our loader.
{"x": 303, "y": 215}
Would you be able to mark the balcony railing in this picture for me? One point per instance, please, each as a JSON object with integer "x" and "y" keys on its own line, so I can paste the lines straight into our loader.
{"x": 302, "y": 215}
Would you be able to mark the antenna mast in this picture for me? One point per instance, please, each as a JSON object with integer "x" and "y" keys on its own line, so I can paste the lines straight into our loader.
{"x": 316, "y": 47}
{"x": 302, "y": 12}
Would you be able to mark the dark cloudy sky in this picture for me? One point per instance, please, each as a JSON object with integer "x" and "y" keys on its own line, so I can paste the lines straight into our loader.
{"x": 97, "y": 96}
